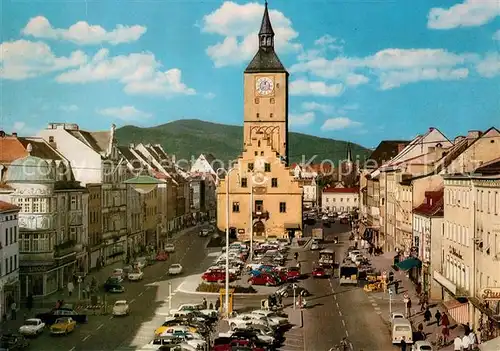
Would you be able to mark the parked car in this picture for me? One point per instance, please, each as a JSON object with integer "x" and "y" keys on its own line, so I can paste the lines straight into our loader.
{"x": 422, "y": 345}
{"x": 67, "y": 311}
{"x": 63, "y": 325}
{"x": 121, "y": 308}
{"x": 13, "y": 342}
{"x": 287, "y": 290}
{"x": 263, "y": 279}
{"x": 319, "y": 272}
{"x": 293, "y": 273}
{"x": 162, "y": 256}
{"x": 32, "y": 327}
{"x": 137, "y": 275}
{"x": 169, "y": 248}
{"x": 119, "y": 274}
{"x": 216, "y": 276}
{"x": 175, "y": 269}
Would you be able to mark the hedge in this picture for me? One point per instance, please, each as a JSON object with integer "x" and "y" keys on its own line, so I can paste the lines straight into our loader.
{"x": 215, "y": 288}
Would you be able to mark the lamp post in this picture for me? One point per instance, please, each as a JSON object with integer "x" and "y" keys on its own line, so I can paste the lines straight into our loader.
{"x": 251, "y": 219}
{"x": 228, "y": 172}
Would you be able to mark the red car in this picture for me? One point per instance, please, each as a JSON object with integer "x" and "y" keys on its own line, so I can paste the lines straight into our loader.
{"x": 319, "y": 272}
{"x": 216, "y": 276}
{"x": 263, "y": 279}
{"x": 162, "y": 256}
{"x": 293, "y": 273}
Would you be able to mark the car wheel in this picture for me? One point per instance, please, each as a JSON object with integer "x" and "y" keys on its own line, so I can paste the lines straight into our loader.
{"x": 285, "y": 294}
{"x": 232, "y": 326}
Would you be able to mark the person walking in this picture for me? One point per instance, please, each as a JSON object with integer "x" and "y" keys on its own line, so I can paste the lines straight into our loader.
{"x": 217, "y": 304}
{"x": 445, "y": 321}
{"x": 29, "y": 302}
{"x": 71, "y": 287}
{"x": 396, "y": 287}
{"x": 403, "y": 344}
{"x": 466, "y": 343}
{"x": 446, "y": 334}
{"x": 472, "y": 340}
{"x": 13, "y": 310}
{"x": 427, "y": 315}
{"x": 438, "y": 317}
{"x": 457, "y": 344}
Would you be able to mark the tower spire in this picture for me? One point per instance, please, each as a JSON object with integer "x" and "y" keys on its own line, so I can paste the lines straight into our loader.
{"x": 349, "y": 153}
{"x": 266, "y": 33}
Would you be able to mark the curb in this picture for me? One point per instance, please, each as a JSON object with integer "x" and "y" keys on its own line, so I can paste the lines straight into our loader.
{"x": 257, "y": 294}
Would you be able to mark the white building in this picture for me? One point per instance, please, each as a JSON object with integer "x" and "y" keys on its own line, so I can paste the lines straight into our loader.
{"x": 95, "y": 159}
{"x": 340, "y": 199}
{"x": 206, "y": 164}
{"x": 9, "y": 257}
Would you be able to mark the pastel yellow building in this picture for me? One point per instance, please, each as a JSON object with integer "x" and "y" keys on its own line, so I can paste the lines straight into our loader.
{"x": 264, "y": 197}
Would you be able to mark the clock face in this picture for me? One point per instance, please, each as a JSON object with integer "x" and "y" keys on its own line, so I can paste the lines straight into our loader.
{"x": 264, "y": 85}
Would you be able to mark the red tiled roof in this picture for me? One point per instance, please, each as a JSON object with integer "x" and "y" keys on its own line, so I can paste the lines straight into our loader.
{"x": 320, "y": 168}
{"x": 341, "y": 190}
{"x": 433, "y": 204}
{"x": 7, "y": 206}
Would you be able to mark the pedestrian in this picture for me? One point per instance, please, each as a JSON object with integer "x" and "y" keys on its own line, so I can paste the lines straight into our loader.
{"x": 438, "y": 317}
{"x": 391, "y": 277}
{"x": 446, "y": 334}
{"x": 421, "y": 333}
{"x": 472, "y": 340}
{"x": 457, "y": 344}
{"x": 204, "y": 303}
{"x": 418, "y": 289}
{"x": 29, "y": 302}
{"x": 13, "y": 310}
{"x": 445, "y": 322}
{"x": 217, "y": 304}
{"x": 466, "y": 343}
{"x": 427, "y": 315}
{"x": 467, "y": 328}
{"x": 210, "y": 306}
{"x": 71, "y": 287}
{"x": 403, "y": 344}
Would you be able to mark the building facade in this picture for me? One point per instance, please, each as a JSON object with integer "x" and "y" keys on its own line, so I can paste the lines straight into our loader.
{"x": 340, "y": 199}
{"x": 9, "y": 257}
{"x": 265, "y": 199}
{"x": 94, "y": 217}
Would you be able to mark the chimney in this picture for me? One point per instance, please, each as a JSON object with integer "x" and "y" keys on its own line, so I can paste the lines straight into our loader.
{"x": 131, "y": 145}
{"x": 431, "y": 129}
{"x": 474, "y": 134}
{"x": 14, "y": 134}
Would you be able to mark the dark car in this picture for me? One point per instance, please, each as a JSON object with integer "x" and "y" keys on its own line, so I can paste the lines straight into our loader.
{"x": 51, "y": 316}
{"x": 287, "y": 290}
{"x": 113, "y": 284}
{"x": 13, "y": 342}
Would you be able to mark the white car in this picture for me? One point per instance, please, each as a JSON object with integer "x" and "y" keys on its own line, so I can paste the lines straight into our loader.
{"x": 324, "y": 217}
{"x": 121, "y": 308}
{"x": 134, "y": 276}
{"x": 245, "y": 320}
{"x": 159, "y": 342}
{"x": 273, "y": 319}
{"x": 175, "y": 269}
{"x": 32, "y": 327}
{"x": 169, "y": 248}
{"x": 189, "y": 307}
{"x": 422, "y": 345}
{"x": 261, "y": 335}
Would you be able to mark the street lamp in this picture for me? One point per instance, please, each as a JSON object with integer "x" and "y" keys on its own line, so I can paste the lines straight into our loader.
{"x": 145, "y": 184}
{"x": 228, "y": 172}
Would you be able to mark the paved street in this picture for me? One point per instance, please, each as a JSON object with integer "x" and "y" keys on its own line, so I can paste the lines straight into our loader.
{"x": 338, "y": 312}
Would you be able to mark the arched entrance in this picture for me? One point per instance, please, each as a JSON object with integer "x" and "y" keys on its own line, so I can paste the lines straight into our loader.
{"x": 259, "y": 228}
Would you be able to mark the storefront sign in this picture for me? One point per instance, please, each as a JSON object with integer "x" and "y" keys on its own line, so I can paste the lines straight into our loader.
{"x": 490, "y": 294}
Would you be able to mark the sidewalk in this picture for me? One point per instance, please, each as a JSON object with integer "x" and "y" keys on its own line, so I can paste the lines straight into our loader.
{"x": 44, "y": 303}
{"x": 379, "y": 299}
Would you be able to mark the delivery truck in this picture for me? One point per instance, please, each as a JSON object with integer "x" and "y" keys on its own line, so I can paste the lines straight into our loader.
{"x": 317, "y": 234}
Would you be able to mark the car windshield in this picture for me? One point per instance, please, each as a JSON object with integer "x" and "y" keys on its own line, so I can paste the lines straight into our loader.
{"x": 425, "y": 348}
{"x": 62, "y": 320}
{"x": 121, "y": 303}
{"x": 175, "y": 266}
{"x": 31, "y": 322}
{"x": 169, "y": 245}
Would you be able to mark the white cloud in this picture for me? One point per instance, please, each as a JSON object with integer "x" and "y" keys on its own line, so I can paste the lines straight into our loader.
{"x": 490, "y": 66}
{"x": 68, "y": 108}
{"x": 210, "y": 96}
{"x": 393, "y": 67}
{"x": 139, "y": 72}
{"x": 239, "y": 25}
{"x": 339, "y": 123}
{"x": 22, "y": 59}
{"x": 83, "y": 33}
{"x": 315, "y": 106}
{"x": 496, "y": 36}
{"x": 310, "y": 88}
{"x": 321, "y": 47}
{"x": 18, "y": 126}
{"x": 470, "y": 13}
{"x": 302, "y": 119}
{"x": 126, "y": 113}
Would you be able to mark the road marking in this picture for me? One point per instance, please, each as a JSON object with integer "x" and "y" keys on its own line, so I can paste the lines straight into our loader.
{"x": 99, "y": 327}
{"x": 85, "y": 338}
{"x": 131, "y": 301}
{"x": 346, "y": 333}
{"x": 374, "y": 304}
{"x": 71, "y": 349}
{"x": 140, "y": 294}
{"x": 340, "y": 313}
{"x": 337, "y": 305}
{"x": 335, "y": 297}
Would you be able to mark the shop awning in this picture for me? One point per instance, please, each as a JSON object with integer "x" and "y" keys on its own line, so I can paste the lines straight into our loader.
{"x": 409, "y": 263}
{"x": 292, "y": 226}
{"x": 457, "y": 310}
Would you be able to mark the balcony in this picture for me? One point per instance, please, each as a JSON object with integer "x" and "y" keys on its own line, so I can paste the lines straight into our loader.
{"x": 261, "y": 215}
{"x": 64, "y": 248}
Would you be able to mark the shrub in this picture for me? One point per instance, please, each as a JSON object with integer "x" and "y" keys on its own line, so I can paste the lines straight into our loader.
{"x": 215, "y": 288}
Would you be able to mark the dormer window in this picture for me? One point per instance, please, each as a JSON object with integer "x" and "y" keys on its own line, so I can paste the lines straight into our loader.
{"x": 51, "y": 139}
{"x": 258, "y": 143}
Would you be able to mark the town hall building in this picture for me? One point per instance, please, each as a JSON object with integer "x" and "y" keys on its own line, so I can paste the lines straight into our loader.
{"x": 265, "y": 199}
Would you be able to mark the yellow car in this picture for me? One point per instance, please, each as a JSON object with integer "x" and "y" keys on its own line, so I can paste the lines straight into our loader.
{"x": 171, "y": 326}
{"x": 63, "y": 325}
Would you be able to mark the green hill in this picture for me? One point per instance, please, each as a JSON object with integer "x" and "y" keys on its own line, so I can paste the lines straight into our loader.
{"x": 189, "y": 138}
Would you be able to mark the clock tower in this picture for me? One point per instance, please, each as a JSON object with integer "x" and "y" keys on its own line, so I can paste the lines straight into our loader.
{"x": 266, "y": 95}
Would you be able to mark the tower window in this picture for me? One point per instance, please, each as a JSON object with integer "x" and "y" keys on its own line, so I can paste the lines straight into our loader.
{"x": 271, "y": 100}
{"x": 243, "y": 182}
{"x": 262, "y": 153}
{"x": 274, "y": 182}
{"x": 267, "y": 167}
{"x": 258, "y": 115}
{"x": 282, "y": 207}
{"x": 256, "y": 153}
{"x": 277, "y": 85}
{"x": 271, "y": 115}
{"x": 256, "y": 100}
{"x": 258, "y": 143}
{"x": 236, "y": 207}
{"x": 250, "y": 166}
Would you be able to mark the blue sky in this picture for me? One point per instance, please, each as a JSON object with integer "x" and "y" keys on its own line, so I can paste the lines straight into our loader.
{"x": 361, "y": 71}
